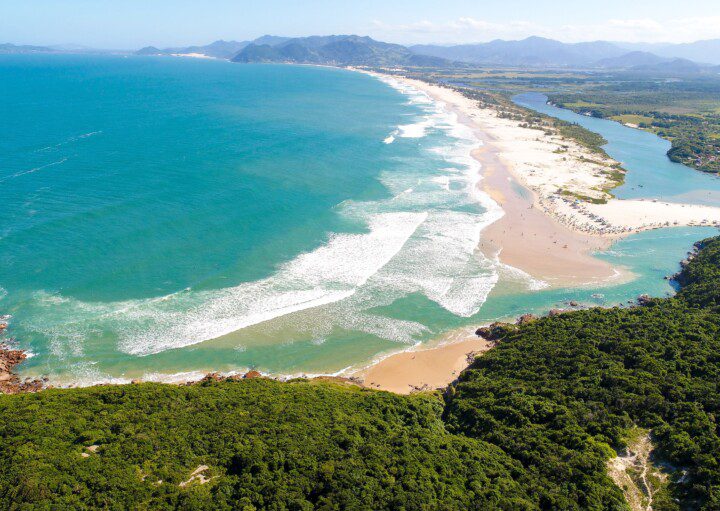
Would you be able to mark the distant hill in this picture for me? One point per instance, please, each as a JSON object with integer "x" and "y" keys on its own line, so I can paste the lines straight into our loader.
{"x": 271, "y": 40}
{"x": 632, "y": 59}
{"x": 700, "y": 51}
{"x": 347, "y": 50}
{"x": 533, "y": 51}
{"x": 150, "y": 50}
{"x": 673, "y": 67}
{"x": 707, "y": 51}
{"x": 218, "y": 49}
{"x": 12, "y": 48}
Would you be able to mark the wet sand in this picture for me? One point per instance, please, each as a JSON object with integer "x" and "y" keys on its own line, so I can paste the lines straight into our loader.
{"x": 426, "y": 369}
{"x": 529, "y": 239}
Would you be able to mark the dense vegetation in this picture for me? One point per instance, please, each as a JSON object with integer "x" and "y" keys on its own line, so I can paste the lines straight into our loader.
{"x": 556, "y": 392}
{"x": 686, "y": 114}
{"x": 267, "y": 445}
{"x": 530, "y": 425}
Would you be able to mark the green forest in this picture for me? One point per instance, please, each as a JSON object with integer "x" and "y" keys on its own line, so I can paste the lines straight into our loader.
{"x": 529, "y": 426}
{"x": 686, "y": 114}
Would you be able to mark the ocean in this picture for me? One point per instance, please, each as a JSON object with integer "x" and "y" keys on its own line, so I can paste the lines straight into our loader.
{"x": 165, "y": 217}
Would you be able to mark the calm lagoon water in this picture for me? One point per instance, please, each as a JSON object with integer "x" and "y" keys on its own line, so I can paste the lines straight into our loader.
{"x": 651, "y": 174}
{"x": 165, "y": 216}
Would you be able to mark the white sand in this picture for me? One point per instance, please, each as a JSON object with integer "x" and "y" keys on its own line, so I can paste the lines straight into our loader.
{"x": 548, "y": 164}
{"x": 193, "y": 55}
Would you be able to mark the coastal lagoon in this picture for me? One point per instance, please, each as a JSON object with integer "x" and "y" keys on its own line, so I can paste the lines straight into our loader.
{"x": 651, "y": 174}
{"x": 164, "y": 217}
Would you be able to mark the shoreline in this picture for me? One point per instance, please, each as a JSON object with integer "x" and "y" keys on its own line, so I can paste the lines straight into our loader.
{"x": 528, "y": 237}
{"x": 554, "y": 172}
{"x": 436, "y": 363}
{"x": 424, "y": 367}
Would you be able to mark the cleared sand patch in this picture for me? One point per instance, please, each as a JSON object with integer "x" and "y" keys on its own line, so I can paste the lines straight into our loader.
{"x": 197, "y": 476}
{"x": 635, "y": 473}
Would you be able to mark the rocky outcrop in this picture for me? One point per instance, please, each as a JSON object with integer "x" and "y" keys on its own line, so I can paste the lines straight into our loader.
{"x": 10, "y": 382}
{"x": 644, "y": 300}
{"x": 495, "y": 331}
{"x": 526, "y": 319}
{"x": 212, "y": 377}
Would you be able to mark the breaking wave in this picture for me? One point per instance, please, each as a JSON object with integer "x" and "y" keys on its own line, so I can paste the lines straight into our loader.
{"x": 422, "y": 239}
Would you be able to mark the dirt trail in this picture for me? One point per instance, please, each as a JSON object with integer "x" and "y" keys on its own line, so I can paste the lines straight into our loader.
{"x": 632, "y": 472}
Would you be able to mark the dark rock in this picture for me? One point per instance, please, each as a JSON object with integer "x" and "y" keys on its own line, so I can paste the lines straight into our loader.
{"x": 644, "y": 299}
{"x": 526, "y": 319}
{"x": 10, "y": 383}
{"x": 495, "y": 331}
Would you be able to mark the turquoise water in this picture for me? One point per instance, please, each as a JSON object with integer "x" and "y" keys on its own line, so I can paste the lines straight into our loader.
{"x": 166, "y": 216}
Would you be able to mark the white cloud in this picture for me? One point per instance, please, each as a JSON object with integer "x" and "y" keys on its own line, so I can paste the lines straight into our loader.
{"x": 468, "y": 30}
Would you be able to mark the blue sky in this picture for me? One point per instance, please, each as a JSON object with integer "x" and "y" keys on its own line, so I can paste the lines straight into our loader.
{"x": 134, "y": 23}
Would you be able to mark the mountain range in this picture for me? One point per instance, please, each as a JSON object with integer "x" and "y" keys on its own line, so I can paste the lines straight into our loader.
{"x": 541, "y": 52}
{"x": 355, "y": 50}
{"x": 532, "y": 52}
{"x": 707, "y": 51}
{"x": 346, "y": 50}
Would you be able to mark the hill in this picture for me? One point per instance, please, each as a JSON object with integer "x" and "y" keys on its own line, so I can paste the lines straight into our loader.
{"x": 707, "y": 51}
{"x": 345, "y": 50}
{"x": 218, "y": 49}
{"x": 632, "y": 59}
{"x": 533, "y": 51}
{"x": 8, "y": 48}
{"x": 679, "y": 67}
{"x": 530, "y": 425}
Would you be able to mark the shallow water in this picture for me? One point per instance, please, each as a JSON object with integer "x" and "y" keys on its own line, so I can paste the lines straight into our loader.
{"x": 168, "y": 216}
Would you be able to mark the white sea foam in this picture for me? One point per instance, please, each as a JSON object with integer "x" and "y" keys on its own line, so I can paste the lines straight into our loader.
{"x": 415, "y": 130}
{"x": 328, "y": 274}
{"x": 69, "y": 141}
{"x": 423, "y": 239}
{"x": 34, "y": 169}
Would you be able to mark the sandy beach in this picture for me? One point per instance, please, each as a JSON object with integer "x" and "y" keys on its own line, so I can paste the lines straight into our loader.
{"x": 549, "y": 235}
{"x": 425, "y": 368}
{"x": 529, "y": 239}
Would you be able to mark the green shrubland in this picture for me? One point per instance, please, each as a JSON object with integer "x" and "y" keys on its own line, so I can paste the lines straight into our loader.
{"x": 529, "y": 425}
